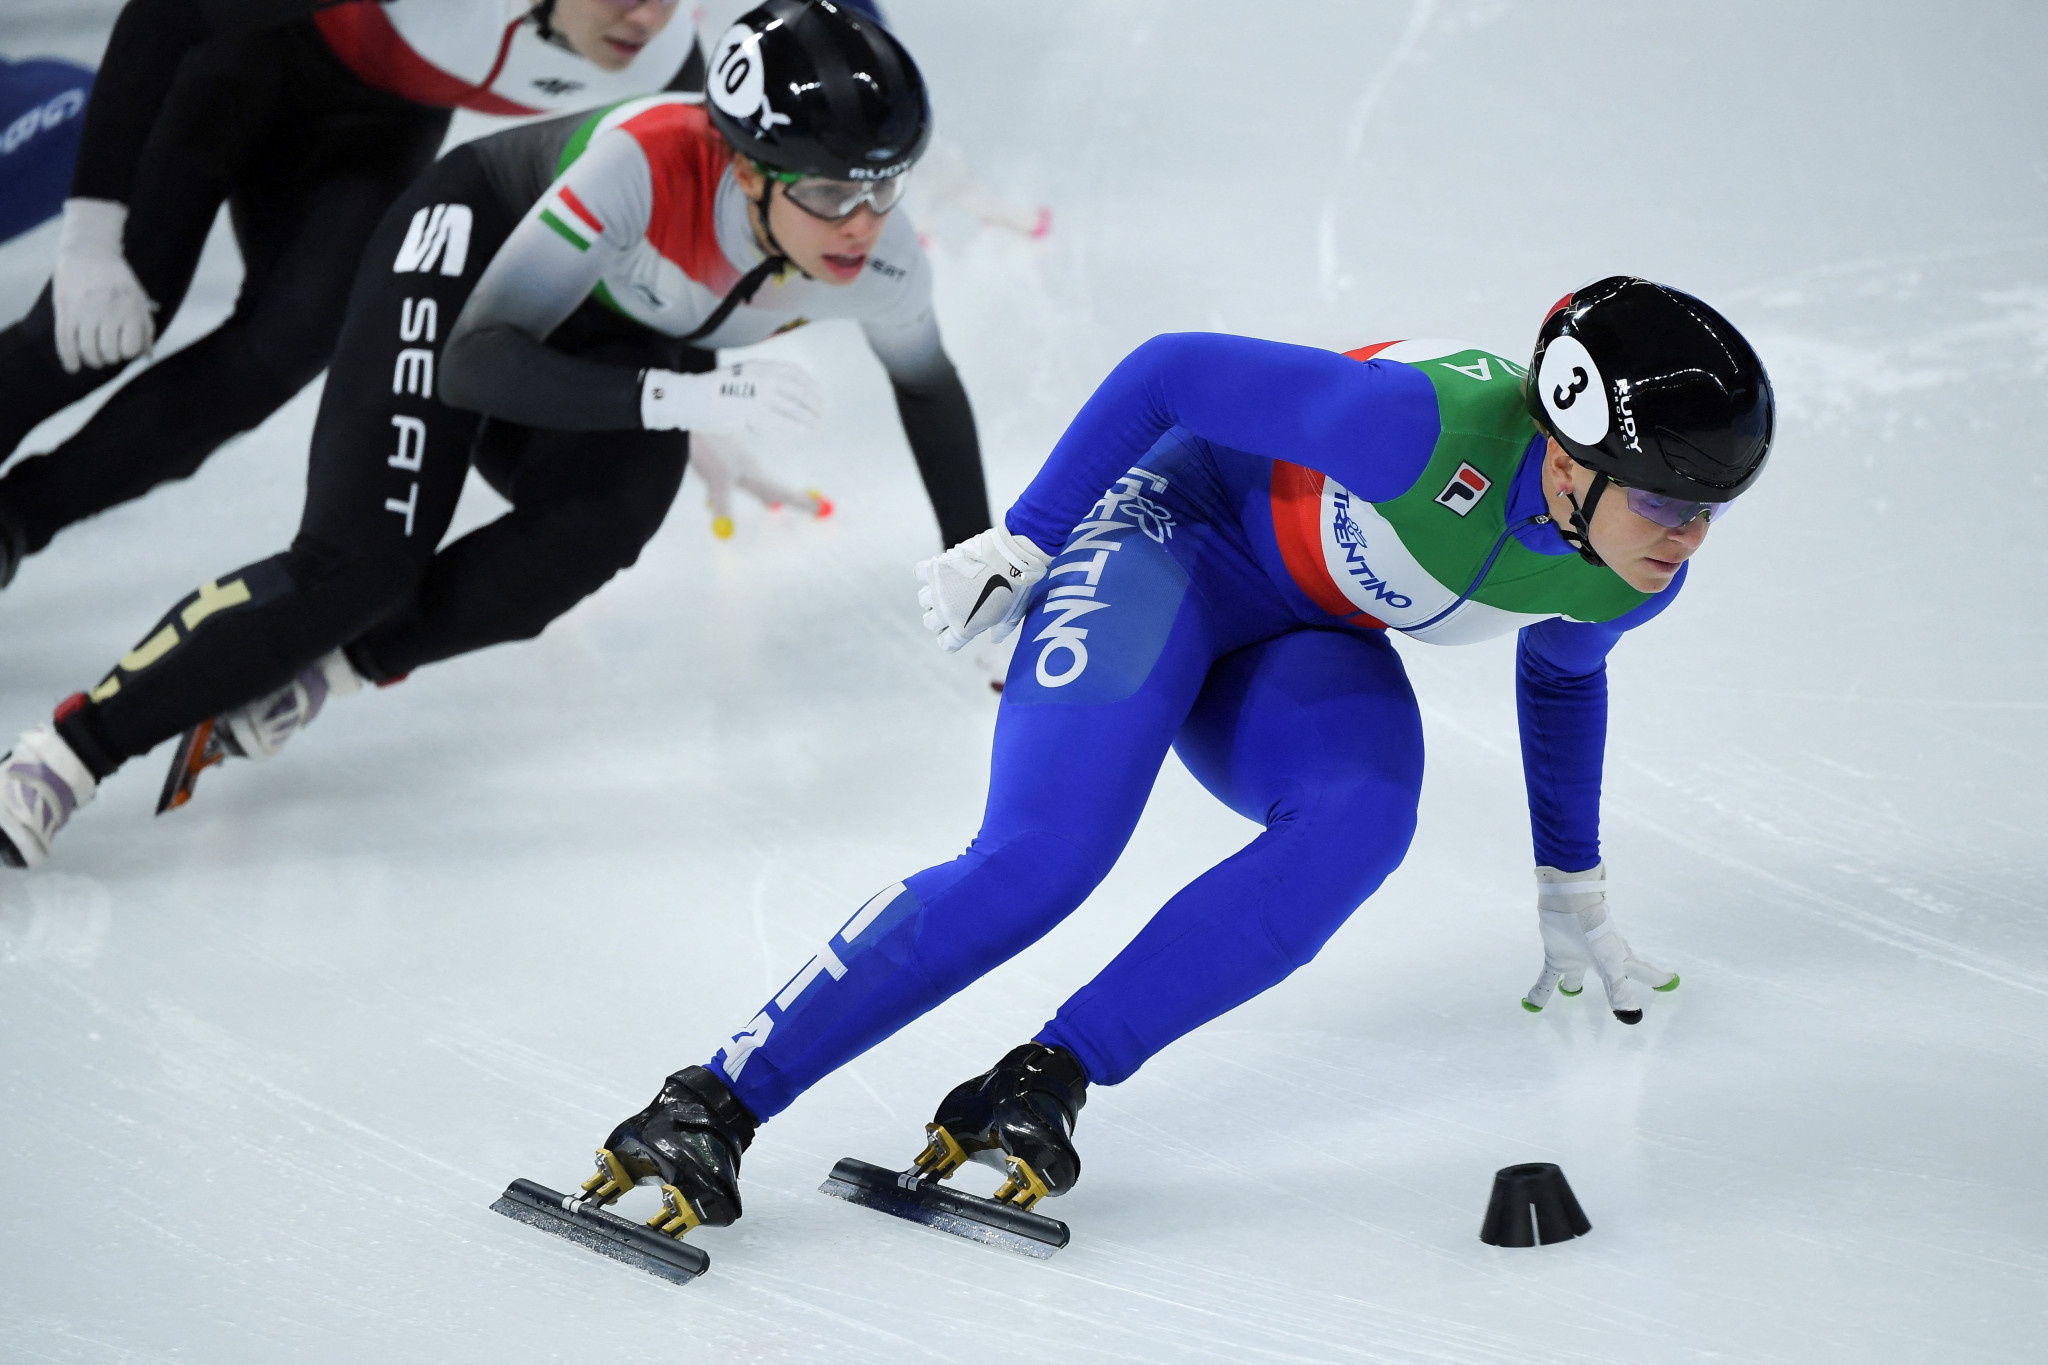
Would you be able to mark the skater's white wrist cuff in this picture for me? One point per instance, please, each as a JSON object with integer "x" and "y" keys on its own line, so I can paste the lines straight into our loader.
{"x": 92, "y": 228}
{"x": 1022, "y": 553}
{"x": 1555, "y": 886}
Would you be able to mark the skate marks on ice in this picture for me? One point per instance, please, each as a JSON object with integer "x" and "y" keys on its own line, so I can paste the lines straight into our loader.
{"x": 1840, "y": 359}
{"x": 1857, "y": 919}
{"x": 1180, "y": 1268}
{"x": 57, "y": 917}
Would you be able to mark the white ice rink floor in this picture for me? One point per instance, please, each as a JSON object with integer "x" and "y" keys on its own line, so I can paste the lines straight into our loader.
{"x": 267, "y": 1061}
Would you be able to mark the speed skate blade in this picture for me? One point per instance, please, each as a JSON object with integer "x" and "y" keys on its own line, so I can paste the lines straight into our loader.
{"x": 196, "y": 753}
{"x": 922, "y": 1200}
{"x": 602, "y": 1231}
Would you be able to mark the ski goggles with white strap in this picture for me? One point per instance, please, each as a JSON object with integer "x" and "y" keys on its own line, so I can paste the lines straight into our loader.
{"x": 833, "y": 200}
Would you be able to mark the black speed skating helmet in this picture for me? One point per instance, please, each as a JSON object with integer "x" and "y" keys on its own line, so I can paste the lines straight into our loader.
{"x": 818, "y": 88}
{"x": 1654, "y": 389}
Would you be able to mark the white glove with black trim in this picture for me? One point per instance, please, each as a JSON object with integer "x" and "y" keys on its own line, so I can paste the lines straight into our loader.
{"x": 982, "y": 583}
{"x": 747, "y": 395}
{"x": 1571, "y": 911}
{"x": 103, "y": 315}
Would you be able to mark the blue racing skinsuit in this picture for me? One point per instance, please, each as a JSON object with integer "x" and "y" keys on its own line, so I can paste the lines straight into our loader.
{"x": 1229, "y": 596}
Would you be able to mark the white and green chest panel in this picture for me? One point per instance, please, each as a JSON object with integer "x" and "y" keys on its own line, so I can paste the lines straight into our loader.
{"x": 1439, "y": 562}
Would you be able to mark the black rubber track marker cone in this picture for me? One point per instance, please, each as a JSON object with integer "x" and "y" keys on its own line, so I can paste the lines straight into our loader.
{"x": 1532, "y": 1205}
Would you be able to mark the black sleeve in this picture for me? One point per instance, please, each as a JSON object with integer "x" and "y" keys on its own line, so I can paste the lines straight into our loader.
{"x": 149, "y": 40}
{"x": 505, "y": 373}
{"x": 940, "y": 424}
{"x": 689, "y": 77}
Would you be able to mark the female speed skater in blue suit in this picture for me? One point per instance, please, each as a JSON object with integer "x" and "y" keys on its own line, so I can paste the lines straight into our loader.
{"x": 1270, "y": 513}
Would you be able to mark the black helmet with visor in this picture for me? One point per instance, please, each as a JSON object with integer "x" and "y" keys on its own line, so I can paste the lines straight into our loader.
{"x": 1654, "y": 392}
{"x": 823, "y": 99}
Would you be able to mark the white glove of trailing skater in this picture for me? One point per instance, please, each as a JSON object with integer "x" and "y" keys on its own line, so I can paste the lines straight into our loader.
{"x": 103, "y": 316}
{"x": 1571, "y": 910}
{"x": 748, "y": 395}
{"x": 983, "y": 582}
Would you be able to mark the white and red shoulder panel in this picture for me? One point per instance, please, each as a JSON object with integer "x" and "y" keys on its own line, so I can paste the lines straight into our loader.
{"x": 487, "y": 56}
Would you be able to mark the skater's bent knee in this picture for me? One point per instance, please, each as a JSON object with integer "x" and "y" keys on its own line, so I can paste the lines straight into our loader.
{"x": 1334, "y": 852}
{"x": 1003, "y": 894}
{"x": 370, "y": 579}
{"x": 1054, "y": 863}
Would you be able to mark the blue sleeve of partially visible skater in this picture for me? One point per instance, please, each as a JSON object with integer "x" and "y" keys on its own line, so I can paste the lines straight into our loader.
{"x": 42, "y": 107}
{"x": 1370, "y": 425}
{"x": 1561, "y": 702}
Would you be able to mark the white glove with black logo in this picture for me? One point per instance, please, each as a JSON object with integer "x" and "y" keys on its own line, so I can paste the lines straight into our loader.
{"x": 748, "y": 395}
{"x": 1571, "y": 911}
{"x": 982, "y": 583}
{"x": 103, "y": 315}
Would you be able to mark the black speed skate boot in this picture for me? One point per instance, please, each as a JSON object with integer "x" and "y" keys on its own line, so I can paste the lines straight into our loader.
{"x": 688, "y": 1141}
{"x": 1018, "y": 1117}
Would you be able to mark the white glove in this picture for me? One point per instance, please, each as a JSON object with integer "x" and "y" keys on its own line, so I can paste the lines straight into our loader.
{"x": 103, "y": 317}
{"x": 749, "y": 395}
{"x": 1571, "y": 911}
{"x": 984, "y": 581}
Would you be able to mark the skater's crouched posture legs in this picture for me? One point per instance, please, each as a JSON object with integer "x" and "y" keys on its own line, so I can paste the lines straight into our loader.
{"x": 281, "y": 335}
{"x": 385, "y": 469}
{"x": 583, "y": 507}
{"x": 308, "y": 171}
{"x": 1075, "y": 761}
{"x": 237, "y": 637}
{"x": 1315, "y": 735}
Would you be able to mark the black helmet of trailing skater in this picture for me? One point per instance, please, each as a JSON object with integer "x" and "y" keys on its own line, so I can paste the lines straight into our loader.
{"x": 1654, "y": 389}
{"x": 816, "y": 88}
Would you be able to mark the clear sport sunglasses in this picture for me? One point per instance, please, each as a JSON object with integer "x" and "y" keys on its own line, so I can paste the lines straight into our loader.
{"x": 833, "y": 200}
{"x": 1669, "y": 511}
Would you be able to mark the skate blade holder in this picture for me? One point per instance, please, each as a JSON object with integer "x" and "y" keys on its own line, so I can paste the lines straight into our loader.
{"x": 676, "y": 1217}
{"x": 1532, "y": 1205}
{"x": 197, "y": 751}
{"x": 919, "y": 1197}
{"x": 582, "y": 1219}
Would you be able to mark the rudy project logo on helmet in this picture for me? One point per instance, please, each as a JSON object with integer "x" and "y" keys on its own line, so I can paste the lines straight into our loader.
{"x": 1624, "y": 408}
{"x": 1574, "y": 395}
{"x": 738, "y": 85}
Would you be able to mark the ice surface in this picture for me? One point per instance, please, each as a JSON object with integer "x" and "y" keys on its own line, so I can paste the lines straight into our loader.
{"x": 269, "y": 1059}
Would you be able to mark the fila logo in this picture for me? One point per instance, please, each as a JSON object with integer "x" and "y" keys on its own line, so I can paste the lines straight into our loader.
{"x": 437, "y": 235}
{"x": 1464, "y": 490}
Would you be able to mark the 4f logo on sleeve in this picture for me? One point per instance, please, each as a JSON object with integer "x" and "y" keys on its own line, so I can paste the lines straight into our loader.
{"x": 436, "y": 236}
{"x": 1464, "y": 490}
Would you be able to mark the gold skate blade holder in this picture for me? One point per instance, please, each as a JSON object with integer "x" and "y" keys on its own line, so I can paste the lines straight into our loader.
{"x": 1024, "y": 1187}
{"x": 611, "y": 1179}
{"x": 942, "y": 1154}
{"x": 677, "y": 1216}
